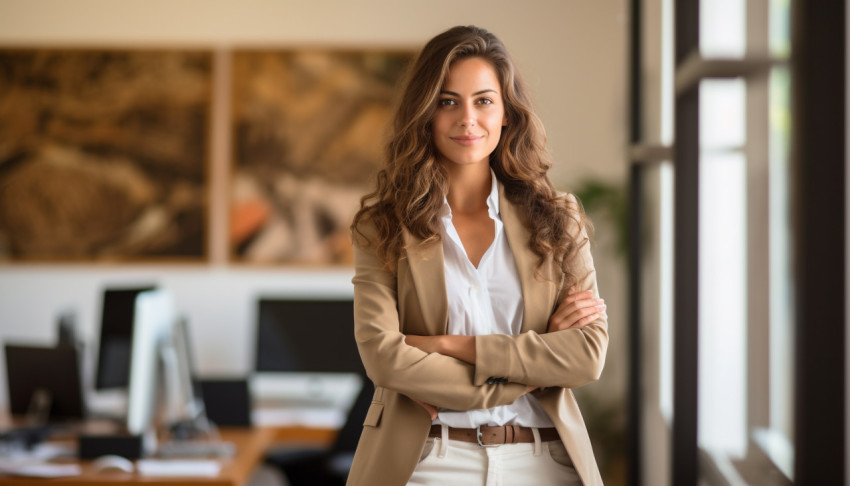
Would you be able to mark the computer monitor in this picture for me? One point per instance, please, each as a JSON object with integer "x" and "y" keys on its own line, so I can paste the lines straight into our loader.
{"x": 116, "y": 336}
{"x": 161, "y": 381}
{"x": 50, "y": 374}
{"x": 304, "y": 335}
{"x": 154, "y": 319}
{"x": 306, "y": 356}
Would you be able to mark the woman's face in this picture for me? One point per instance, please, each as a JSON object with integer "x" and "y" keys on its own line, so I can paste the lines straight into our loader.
{"x": 470, "y": 113}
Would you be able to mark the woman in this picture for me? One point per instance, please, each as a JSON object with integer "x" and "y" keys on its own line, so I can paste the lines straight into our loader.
{"x": 465, "y": 258}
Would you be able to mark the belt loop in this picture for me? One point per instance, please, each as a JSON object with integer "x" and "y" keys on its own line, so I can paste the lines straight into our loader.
{"x": 444, "y": 441}
{"x": 537, "y": 444}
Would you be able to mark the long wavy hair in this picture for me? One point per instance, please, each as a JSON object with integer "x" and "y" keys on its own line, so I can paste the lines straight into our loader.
{"x": 410, "y": 188}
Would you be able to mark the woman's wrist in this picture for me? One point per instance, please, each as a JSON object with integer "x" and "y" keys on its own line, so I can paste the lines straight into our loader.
{"x": 459, "y": 347}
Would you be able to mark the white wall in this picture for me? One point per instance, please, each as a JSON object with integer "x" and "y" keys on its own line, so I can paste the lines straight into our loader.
{"x": 573, "y": 54}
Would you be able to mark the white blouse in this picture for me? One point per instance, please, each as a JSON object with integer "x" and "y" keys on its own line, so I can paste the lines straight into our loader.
{"x": 485, "y": 300}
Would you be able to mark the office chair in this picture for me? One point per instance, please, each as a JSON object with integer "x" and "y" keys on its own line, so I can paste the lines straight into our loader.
{"x": 327, "y": 467}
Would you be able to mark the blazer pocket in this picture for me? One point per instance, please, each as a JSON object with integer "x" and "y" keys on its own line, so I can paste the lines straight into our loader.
{"x": 373, "y": 416}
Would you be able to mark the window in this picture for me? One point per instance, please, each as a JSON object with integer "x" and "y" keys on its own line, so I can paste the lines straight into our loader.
{"x": 731, "y": 92}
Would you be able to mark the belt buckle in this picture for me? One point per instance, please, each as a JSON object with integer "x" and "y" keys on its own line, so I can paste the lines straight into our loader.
{"x": 478, "y": 436}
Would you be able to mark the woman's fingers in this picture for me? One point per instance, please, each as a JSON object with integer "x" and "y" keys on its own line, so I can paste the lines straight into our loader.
{"x": 578, "y": 306}
{"x": 585, "y": 320}
{"x": 574, "y": 296}
{"x": 578, "y": 319}
{"x": 574, "y": 302}
{"x": 581, "y": 314}
{"x": 576, "y": 310}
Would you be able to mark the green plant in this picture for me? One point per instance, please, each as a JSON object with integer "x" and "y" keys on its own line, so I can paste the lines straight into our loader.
{"x": 606, "y": 200}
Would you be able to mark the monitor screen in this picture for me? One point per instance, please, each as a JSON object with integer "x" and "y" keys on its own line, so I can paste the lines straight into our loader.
{"x": 52, "y": 372}
{"x": 116, "y": 337}
{"x": 306, "y": 336}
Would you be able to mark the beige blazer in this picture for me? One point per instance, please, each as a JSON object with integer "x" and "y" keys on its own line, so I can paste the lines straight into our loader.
{"x": 413, "y": 301}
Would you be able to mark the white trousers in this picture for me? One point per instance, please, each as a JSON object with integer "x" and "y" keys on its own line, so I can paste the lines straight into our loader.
{"x": 453, "y": 462}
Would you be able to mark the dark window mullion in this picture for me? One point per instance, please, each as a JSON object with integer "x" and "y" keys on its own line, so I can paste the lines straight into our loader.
{"x": 686, "y": 253}
{"x": 686, "y": 285}
{"x": 818, "y": 198}
{"x": 635, "y": 430}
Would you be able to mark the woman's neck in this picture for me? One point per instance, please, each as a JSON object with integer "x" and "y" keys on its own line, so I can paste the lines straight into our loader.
{"x": 469, "y": 187}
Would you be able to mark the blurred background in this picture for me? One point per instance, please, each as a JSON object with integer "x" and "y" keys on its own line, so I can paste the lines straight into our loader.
{"x": 218, "y": 149}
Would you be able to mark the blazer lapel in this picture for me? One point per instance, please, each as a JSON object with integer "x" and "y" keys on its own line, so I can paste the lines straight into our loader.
{"x": 426, "y": 263}
{"x": 538, "y": 291}
{"x": 428, "y": 274}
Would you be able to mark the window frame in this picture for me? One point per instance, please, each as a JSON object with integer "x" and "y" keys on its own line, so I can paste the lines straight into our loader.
{"x": 819, "y": 97}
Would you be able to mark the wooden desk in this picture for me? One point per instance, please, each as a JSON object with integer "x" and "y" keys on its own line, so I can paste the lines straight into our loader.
{"x": 251, "y": 445}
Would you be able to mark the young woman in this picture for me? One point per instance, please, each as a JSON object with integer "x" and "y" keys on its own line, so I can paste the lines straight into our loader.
{"x": 475, "y": 301}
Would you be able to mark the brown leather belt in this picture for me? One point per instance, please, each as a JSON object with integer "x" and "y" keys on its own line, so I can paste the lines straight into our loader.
{"x": 486, "y": 435}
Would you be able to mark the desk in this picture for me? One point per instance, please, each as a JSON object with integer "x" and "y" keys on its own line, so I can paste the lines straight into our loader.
{"x": 251, "y": 445}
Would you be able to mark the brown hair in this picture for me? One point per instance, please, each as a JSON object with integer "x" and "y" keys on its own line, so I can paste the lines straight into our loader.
{"x": 410, "y": 188}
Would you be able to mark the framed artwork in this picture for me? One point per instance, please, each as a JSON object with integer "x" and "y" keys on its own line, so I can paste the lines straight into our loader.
{"x": 309, "y": 129}
{"x": 103, "y": 154}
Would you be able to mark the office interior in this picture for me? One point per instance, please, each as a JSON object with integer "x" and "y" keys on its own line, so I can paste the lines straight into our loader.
{"x": 708, "y": 141}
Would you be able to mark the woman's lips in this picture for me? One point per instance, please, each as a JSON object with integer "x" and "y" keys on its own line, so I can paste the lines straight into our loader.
{"x": 467, "y": 140}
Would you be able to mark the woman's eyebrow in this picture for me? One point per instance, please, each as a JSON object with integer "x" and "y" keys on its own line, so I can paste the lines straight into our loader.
{"x": 452, "y": 93}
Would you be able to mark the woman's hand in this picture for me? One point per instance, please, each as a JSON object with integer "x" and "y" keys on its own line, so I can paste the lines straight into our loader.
{"x": 575, "y": 311}
{"x": 432, "y": 410}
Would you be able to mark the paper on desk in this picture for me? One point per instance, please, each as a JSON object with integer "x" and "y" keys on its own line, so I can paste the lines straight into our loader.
{"x": 39, "y": 470}
{"x": 48, "y": 450}
{"x": 178, "y": 467}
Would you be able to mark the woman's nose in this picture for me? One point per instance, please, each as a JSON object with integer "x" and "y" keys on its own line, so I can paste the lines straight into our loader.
{"x": 467, "y": 117}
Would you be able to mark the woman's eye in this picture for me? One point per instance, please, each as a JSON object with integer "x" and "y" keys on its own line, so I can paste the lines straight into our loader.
{"x": 446, "y": 102}
{"x": 485, "y": 101}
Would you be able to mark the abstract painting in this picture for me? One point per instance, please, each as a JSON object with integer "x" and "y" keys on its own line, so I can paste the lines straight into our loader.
{"x": 309, "y": 128}
{"x": 103, "y": 154}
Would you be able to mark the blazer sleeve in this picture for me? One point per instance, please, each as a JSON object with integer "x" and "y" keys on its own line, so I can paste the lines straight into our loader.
{"x": 569, "y": 358}
{"x": 433, "y": 378}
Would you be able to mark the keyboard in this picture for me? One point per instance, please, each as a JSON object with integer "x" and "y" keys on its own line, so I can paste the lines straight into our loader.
{"x": 196, "y": 448}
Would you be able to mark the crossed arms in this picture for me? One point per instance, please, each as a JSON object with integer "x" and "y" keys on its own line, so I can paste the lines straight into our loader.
{"x": 453, "y": 371}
